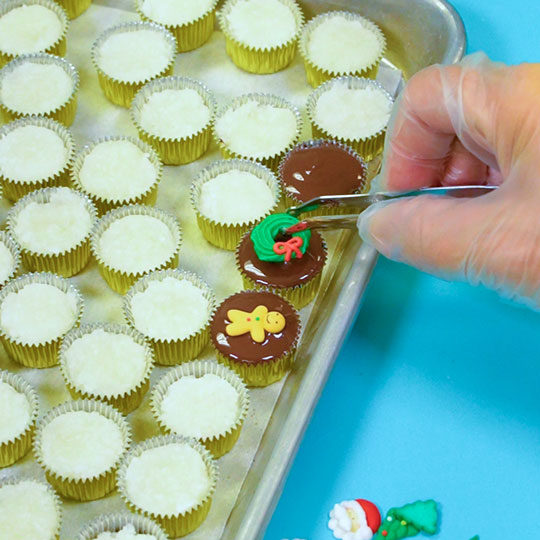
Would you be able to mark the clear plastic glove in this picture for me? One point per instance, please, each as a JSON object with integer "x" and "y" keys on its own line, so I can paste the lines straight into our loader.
{"x": 475, "y": 122}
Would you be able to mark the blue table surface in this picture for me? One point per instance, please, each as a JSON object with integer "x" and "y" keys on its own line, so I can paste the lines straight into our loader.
{"x": 435, "y": 394}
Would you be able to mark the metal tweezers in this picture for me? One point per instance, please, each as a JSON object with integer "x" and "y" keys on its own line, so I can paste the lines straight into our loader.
{"x": 359, "y": 203}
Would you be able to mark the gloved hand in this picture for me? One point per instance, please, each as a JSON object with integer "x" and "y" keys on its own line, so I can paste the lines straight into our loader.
{"x": 474, "y": 122}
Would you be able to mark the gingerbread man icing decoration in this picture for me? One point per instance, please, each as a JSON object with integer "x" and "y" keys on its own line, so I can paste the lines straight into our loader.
{"x": 257, "y": 323}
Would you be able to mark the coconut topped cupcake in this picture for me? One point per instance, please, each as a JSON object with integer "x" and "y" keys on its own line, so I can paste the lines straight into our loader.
{"x": 122, "y": 527}
{"x": 9, "y": 258}
{"x": 127, "y": 532}
{"x": 175, "y": 12}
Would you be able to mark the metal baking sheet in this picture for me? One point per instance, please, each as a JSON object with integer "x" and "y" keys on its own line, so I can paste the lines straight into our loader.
{"x": 419, "y": 32}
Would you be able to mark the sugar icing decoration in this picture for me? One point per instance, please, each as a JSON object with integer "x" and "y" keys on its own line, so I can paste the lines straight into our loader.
{"x": 409, "y": 520}
{"x": 358, "y": 519}
{"x": 257, "y": 323}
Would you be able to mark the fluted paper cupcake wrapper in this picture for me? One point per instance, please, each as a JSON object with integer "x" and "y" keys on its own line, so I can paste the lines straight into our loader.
{"x": 367, "y": 147}
{"x": 122, "y": 92}
{"x": 57, "y": 502}
{"x": 260, "y": 59}
{"x": 15, "y": 448}
{"x": 183, "y": 523}
{"x": 41, "y": 355}
{"x": 57, "y": 48}
{"x": 220, "y": 443}
{"x": 86, "y": 489}
{"x": 13, "y": 189}
{"x": 119, "y": 280}
{"x": 225, "y": 235}
{"x": 316, "y": 75}
{"x": 65, "y": 113}
{"x": 66, "y": 263}
{"x": 125, "y": 401}
{"x": 116, "y": 522}
{"x": 175, "y": 151}
{"x": 15, "y": 251}
{"x": 74, "y": 8}
{"x": 170, "y": 352}
{"x": 103, "y": 204}
{"x": 270, "y": 161}
{"x": 192, "y": 34}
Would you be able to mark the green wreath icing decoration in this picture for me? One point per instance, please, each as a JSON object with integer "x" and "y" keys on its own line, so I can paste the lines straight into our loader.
{"x": 264, "y": 237}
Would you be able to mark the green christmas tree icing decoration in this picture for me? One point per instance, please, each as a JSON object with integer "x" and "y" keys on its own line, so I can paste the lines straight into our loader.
{"x": 409, "y": 520}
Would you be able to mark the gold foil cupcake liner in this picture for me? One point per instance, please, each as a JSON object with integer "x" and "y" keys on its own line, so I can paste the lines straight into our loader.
{"x": 119, "y": 280}
{"x": 189, "y": 35}
{"x": 15, "y": 448}
{"x": 94, "y": 487}
{"x": 126, "y": 401}
{"x": 179, "y": 524}
{"x": 65, "y": 113}
{"x": 227, "y": 235}
{"x": 116, "y": 522}
{"x": 15, "y": 251}
{"x": 40, "y": 355}
{"x": 170, "y": 352}
{"x": 74, "y": 8}
{"x": 57, "y": 48}
{"x": 57, "y": 502}
{"x": 65, "y": 263}
{"x": 367, "y": 147}
{"x": 270, "y": 161}
{"x": 317, "y": 75}
{"x": 260, "y": 59}
{"x": 220, "y": 443}
{"x": 104, "y": 204}
{"x": 175, "y": 151}
{"x": 15, "y": 189}
{"x": 122, "y": 92}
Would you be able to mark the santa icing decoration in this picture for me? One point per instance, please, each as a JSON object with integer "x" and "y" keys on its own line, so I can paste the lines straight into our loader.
{"x": 354, "y": 520}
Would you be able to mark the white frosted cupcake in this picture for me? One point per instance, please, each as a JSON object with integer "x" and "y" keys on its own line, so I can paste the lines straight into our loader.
{"x": 171, "y": 480}
{"x": 341, "y": 43}
{"x": 129, "y": 55}
{"x": 31, "y": 510}
{"x": 131, "y": 241}
{"x": 172, "y": 309}
{"x": 36, "y": 310}
{"x": 31, "y": 26}
{"x": 79, "y": 444}
{"x": 39, "y": 84}
{"x": 108, "y": 362}
{"x": 353, "y": 111}
{"x": 52, "y": 226}
{"x": 10, "y": 258}
{"x": 115, "y": 171}
{"x": 259, "y": 127}
{"x": 174, "y": 115}
{"x": 122, "y": 527}
{"x": 192, "y": 23}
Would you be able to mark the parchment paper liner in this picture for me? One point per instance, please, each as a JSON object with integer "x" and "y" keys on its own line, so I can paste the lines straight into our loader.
{"x": 220, "y": 443}
{"x": 170, "y": 352}
{"x": 175, "y": 525}
{"x": 14, "y": 190}
{"x": 190, "y": 35}
{"x": 293, "y": 200}
{"x": 57, "y": 502}
{"x": 175, "y": 151}
{"x": 317, "y": 75}
{"x": 94, "y": 487}
{"x": 121, "y": 281}
{"x": 75, "y": 7}
{"x": 65, "y": 113}
{"x": 116, "y": 522}
{"x": 298, "y": 295}
{"x": 260, "y": 59}
{"x": 271, "y": 161}
{"x": 225, "y": 235}
{"x": 122, "y": 92}
{"x": 15, "y": 448}
{"x": 57, "y": 48}
{"x": 103, "y": 204}
{"x": 125, "y": 401}
{"x": 367, "y": 147}
{"x": 264, "y": 372}
{"x": 44, "y": 354}
{"x": 6, "y": 239}
{"x": 66, "y": 263}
